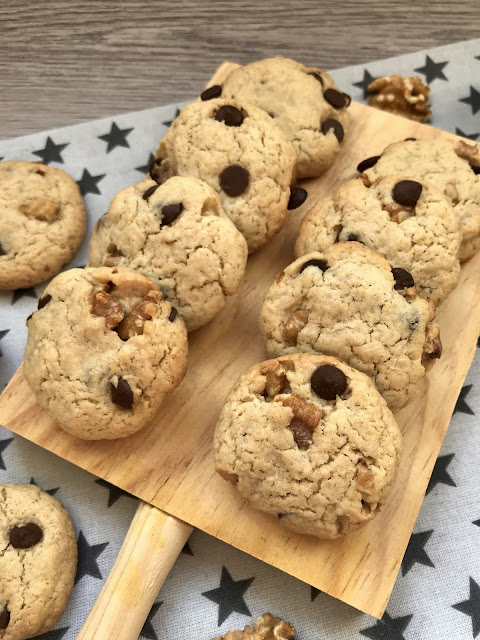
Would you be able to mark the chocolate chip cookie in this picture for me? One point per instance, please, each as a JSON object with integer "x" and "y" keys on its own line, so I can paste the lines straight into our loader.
{"x": 242, "y": 154}
{"x": 38, "y": 561}
{"x": 266, "y": 627}
{"x": 348, "y": 302}
{"x": 103, "y": 351}
{"x": 303, "y": 101}
{"x": 451, "y": 166}
{"x": 410, "y": 222}
{"x": 42, "y": 222}
{"x": 178, "y": 235}
{"x": 309, "y": 440}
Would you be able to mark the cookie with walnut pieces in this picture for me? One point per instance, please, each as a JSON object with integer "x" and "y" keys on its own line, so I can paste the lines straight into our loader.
{"x": 350, "y": 303}
{"x": 266, "y": 627}
{"x": 103, "y": 351}
{"x": 38, "y": 561}
{"x": 178, "y": 235}
{"x": 242, "y": 154}
{"x": 309, "y": 440}
{"x": 42, "y": 222}
{"x": 303, "y": 101}
{"x": 411, "y": 223}
{"x": 453, "y": 166}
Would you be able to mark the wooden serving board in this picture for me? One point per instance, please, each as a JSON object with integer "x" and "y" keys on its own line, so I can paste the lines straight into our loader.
{"x": 170, "y": 464}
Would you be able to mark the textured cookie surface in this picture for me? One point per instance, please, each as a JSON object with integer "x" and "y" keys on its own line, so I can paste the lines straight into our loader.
{"x": 452, "y": 167}
{"x": 178, "y": 235}
{"x": 411, "y": 223}
{"x": 103, "y": 351}
{"x": 242, "y": 154}
{"x": 38, "y": 561}
{"x": 309, "y": 439}
{"x": 42, "y": 222}
{"x": 346, "y": 302}
{"x": 303, "y": 101}
{"x": 266, "y": 627}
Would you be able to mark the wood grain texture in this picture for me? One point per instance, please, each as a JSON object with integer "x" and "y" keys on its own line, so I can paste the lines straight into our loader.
{"x": 63, "y": 61}
{"x": 170, "y": 463}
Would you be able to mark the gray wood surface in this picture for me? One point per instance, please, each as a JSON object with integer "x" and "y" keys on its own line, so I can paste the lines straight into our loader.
{"x": 63, "y": 62}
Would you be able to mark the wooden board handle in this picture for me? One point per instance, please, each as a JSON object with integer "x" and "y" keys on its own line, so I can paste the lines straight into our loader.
{"x": 149, "y": 551}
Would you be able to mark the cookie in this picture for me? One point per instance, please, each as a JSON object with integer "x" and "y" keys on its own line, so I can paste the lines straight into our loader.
{"x": 410, "y": 222}
{"x": 242, "y": 154}
{"x": 178, "y": 235}
{"x": 303, "y": 101}
{"x": 348, "y": 302}
{"x": 38, "y": 561}
{"x": 42, "y": 222}
{"x": 266, "y": 627}
{"x": 309, "y": 440}
{"x": 451, "y": 166}
{"x": 103, "y": 351}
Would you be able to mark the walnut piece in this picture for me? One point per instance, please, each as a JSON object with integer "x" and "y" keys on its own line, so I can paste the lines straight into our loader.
{"x": 132, "y": 325}
{"x": 295, "y": 324}
{"x": 433, "y": 343}
{"x": 306, "y": 417}
{"x": 470, "y": 152}
{"x": 407, "y": 97}
{"x": 44, "y": 209}
{"x": 266, "y": 627}
{"x": 398, "y": 213}
{"x": 105, "y": 305}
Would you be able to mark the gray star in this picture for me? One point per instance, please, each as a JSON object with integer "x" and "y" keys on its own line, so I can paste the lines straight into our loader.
{"x": 473, "y": 100}
{"x": 3, "y": 445}
{"x": 472, "y": 136}
{"x": 167, "y": 123}
{"x": 432, "y": 70}
{"x": 147, "y": 630}
{"x": 55, "y": 634}
{"x": 387, "y": 628}
{"x": 363, "y": 84}
{"x": 52, "y": 492}
{"x": 145, "y": 168}
{"x": 18, "y": 294}
{"x": 461, "y": 405}
{"x": 51, "y": 152}
{"x": 229, "y": 596}
{"x": 440, "y": 474}
{"x": 415, "y": 551}
{"x": 114, "y": 492}
{"x": 2, "y": 335}
{"x": 477, "y": 522}
{"x": 87, "y": 558}
{"x": 471, "y": 607}
{"x": 88, "y": 183}
{"x": 116, "y": 138}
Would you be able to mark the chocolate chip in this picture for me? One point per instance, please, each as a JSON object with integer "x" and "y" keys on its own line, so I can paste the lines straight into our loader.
{"x": 170, "y": 213}
{"x": 297, "y": 197}
{"x": 403, "y": 279}
{"x": 2, "y": 251}
{"x": 230, "y": 115}
{"x": 173, "y": 314}
{"x": 407, "y": 192}
{"x": 234, "y": 180}
{"x": 149, "y": 191}
{"x": 328, "y": 382}
{"x": 348, "y": 99}
{"x": 475, "y": 169}
{"x": 110, "y": 285}
{"x": 44, "y": 301}
{"x": 335, "y": 98}
{"x": 4, "y": 618}
{"x": 410, "y": 139}
{"x": 122, "y": 395}
{"x": 352, "y": 237}
{"x": 317, "y": 76}
{"x": 330, "y": 124}
{"x": 153, "y": 168}
{"x": 366, "y": 164}
{"x": 321, "y": 264}
{"x": 211, "y": 92}
{"x": 24, "y": 536}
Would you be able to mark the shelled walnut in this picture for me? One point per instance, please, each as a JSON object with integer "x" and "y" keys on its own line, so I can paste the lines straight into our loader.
{"x": 407, "y": 97}
{"x": 266, "y": 627}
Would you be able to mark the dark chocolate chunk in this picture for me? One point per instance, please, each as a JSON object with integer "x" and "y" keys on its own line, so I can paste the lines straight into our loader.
{"x": 475, "y": 169}
{"x": 149, "y": 191}
{"x": 328, "y": 382}
{"x": 173, "y": 314}
{"x": 4, "y": 618}
{"x": 317, "y": 76}
{"x": 335, "y": 98}
{"x": 24, "y": 536}
{"x": 407, "y": 192}
{"x": 230, "y": 115}
{"x": 336, "y": 126}
{"x": 44, "y": 301}
{"x": 211, "y": 92}
{"x": 367, "y": 163}
{"x": 234, "y": 180}
{"x": 297, "y": 197}
{"x": 122, "y": 395}
{"x": 321, "y": 264}
{"x": 170, "y": 213}
{"x": 410, "y": 139}
{"x": 403, "y": 279}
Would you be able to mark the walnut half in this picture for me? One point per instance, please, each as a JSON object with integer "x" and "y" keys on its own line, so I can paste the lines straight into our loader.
{"x": 407, "y": 97}
{"x": 133, "y": 324}
{"x": 306, "y": 417}
{"x": 266, "y": 627}
{"x": 104, "y": 305}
